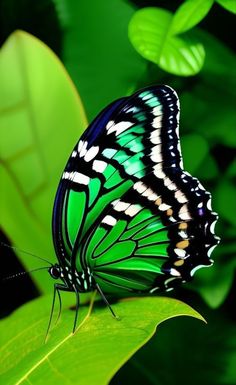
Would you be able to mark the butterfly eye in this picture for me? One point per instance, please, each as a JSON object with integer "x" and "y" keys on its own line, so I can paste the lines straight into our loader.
{"x": 55, "y": 272}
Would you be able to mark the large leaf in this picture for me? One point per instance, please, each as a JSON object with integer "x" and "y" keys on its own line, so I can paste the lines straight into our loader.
{"x": 97, "y": 51}
{"x": 189, "y": 14}
{"x": 150, "y": 34}
{"x": 183, "y": 352}
{"x": 99, "y": 348}
{"x": 41, "y": 118}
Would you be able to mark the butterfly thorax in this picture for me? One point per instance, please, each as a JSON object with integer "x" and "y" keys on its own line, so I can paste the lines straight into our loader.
{"x": 76, "y": 281}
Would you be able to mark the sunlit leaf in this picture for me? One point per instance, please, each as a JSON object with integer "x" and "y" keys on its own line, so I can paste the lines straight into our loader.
{"x": 190, "y": 13}
{"x": 41, "y": 118}
{"x": 230, "y": 5}
{"x": 100, "y": 346}
{"x": 150, "y": 34}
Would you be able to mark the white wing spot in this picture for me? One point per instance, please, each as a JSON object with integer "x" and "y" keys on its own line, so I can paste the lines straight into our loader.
{"x": 80, "y": 178}
{"x": 155, "y": 133}
{"x": 147, "y": 192}
{"x": 80, "y": 145}
{"x": 153, "y": 197}
{"x": 83, "y": 149}
{"x": 109, "y": 220}
{"x": 91, "y": 153}
{"x": 110, "y": 124}
{"x": 121, "y": 206}
{"x": 118, "y": 128}
{"x": 133, "y": 210}
{"x": 140, "y": 187}
{"x": 164, "y": 207}
{"x": 157, "y": 110}
{"x": 159, "y": 174}
{"x": 157, "y": 122}
{"x": 181, "y": 198}
{"x": 180, "y": 252}
{"x": 99, "y": 165}
{"x": 175, "y": 272}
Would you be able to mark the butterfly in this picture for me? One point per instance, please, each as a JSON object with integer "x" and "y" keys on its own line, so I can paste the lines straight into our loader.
{"x": 127, "y": 218}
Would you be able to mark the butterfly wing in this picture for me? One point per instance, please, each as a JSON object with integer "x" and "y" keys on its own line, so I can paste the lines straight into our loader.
{"x": 126, "y": 165}
{"x": 73, "y": 197}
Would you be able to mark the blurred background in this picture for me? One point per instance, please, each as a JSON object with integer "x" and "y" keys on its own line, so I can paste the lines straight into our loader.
{"x": 110, "y": 49}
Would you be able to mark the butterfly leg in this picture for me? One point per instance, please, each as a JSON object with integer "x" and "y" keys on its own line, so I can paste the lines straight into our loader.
{"x": 60, "y": 306}
{"x": 106, "y": 301}
{"x": 76, "y": 308}
{"x": 57, "y": 288}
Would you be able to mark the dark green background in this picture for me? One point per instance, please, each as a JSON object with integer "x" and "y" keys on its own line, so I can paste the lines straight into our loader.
{"x": 183, "y": 352}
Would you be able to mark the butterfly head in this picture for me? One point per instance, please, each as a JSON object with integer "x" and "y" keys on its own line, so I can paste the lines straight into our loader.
{"x": 82, "y": 281}
{"x": 55, "y": 271}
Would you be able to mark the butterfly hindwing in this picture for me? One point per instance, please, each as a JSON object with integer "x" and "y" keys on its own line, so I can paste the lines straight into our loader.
{"x": 125, "y": 207}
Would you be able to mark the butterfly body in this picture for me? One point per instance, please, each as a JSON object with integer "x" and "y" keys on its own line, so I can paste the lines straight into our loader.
{"x": 127, "y": 218}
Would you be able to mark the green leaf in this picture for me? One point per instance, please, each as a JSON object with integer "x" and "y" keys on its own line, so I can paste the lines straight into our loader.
{"x": 231, "y": 171}
{"x": 195, "y": 149}
{"x": 99, "y": 348}
{"x": 215, "y": 283}
{"x": 208, "y": 169}
{"x": 97, "y": 52}
{"x": 230, "y": 5}
{"x": 183, "y": 352}
{"x": 189, "y": 14}
{"x": 208, "y": 106}
{"x": 150, "y": 34}
{"x": 225, "y": 202}
{"x": 41, "y": 118}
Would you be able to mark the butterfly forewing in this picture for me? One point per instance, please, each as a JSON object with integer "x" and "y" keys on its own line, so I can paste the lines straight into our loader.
{"x": 124, "y": 206}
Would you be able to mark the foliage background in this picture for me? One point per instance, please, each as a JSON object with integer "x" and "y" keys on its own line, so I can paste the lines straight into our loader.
{"x": 92, "y": 40}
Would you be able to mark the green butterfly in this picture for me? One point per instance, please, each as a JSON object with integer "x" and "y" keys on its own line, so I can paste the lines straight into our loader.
{"x": 127, "y": 219}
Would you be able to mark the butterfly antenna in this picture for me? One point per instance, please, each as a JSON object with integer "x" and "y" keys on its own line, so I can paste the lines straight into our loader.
{"x": 23, "y": 273}
{"x": 25, "y": 252}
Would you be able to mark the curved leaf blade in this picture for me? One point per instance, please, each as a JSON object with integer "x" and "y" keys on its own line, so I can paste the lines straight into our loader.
{"x": 93, "y": 355}
{"x": 41, "y": 118}
{"x": 149, "y": 32}
{"x": 230, "y": 5}
{"x": 189, "y": 14}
